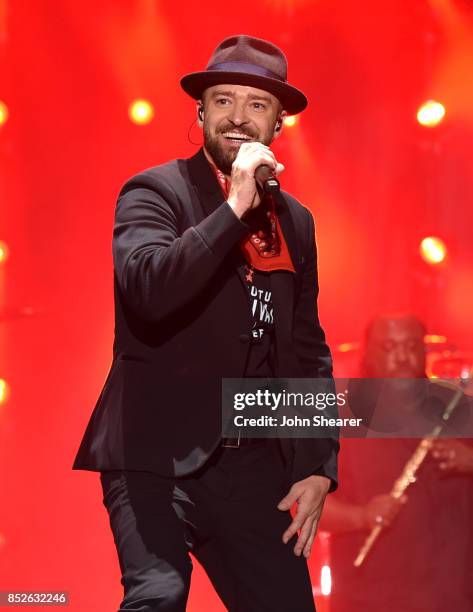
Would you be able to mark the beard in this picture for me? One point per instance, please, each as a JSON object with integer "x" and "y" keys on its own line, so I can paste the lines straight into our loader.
{"x": 224, "y": 157}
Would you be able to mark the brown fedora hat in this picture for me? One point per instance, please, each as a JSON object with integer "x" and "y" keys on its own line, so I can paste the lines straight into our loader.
{"x": 245, "y": 60}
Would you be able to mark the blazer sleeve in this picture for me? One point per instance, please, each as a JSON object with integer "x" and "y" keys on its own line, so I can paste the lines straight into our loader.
{"x": 310, "y": 345}
{"x": 157, "y": 269}
{"x": 313, "y": 456}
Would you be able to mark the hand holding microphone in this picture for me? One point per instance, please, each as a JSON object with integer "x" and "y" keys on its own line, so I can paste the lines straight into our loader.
{"x": 254, "y": 168}
{"x": 266, "y": 179}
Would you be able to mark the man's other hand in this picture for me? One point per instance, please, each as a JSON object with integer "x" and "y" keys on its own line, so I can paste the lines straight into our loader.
{"x": 310, "y": 495}
{"x": 453, "y": 456}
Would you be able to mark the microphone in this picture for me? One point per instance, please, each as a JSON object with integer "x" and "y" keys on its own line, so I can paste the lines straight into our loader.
{"x": 266, "y": 180}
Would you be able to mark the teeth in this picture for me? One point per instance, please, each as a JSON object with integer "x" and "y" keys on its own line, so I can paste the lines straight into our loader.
{"x": 236, "y": 135}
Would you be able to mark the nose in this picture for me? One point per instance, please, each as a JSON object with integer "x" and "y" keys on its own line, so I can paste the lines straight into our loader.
{"x": 237, "y": 114}
{"x": 401, "y": 353}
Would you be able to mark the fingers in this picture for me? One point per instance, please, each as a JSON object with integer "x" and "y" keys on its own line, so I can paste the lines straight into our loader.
{"x": 385, "y": 510}
{"x": 244, "y": 194}
{"x": 253, "y": 154}
{"x": 307, "y": 527}
{"x": 304, "y": 535}
{"x": 293, "y": 528}
{"x": 287, "y": 502}
{"x": 453, "y": 456}
{"x": 442, "y": 450}
{"x": 310, "y": 540}
{"x": 310, "y": 503}
{"x": 445, "y": 454}
{"x": 301, "y": 513}
{"x": 395, "y": 507}
{"x": 304, "y": 510}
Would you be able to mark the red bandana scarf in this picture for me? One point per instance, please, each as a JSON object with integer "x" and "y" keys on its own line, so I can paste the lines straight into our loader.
{"x": 265, "y": 248}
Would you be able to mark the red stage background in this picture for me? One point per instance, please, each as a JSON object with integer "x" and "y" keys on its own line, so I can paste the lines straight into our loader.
{"x": 376, "y": 181}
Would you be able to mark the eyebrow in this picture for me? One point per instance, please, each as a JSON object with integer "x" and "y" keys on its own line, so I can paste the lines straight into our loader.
{"x": 250, "y": 96}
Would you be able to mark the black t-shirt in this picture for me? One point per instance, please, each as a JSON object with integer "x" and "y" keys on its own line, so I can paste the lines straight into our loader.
{"x": 260, "y": 362}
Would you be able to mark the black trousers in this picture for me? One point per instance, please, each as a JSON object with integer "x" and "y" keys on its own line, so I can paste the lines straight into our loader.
{"x": 226, "y": 515}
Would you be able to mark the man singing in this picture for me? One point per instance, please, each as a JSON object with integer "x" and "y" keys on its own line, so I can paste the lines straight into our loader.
{"x": 212, "y": 280}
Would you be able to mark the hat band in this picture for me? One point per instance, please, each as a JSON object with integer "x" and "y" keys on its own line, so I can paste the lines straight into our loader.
{"x": 245, "y": 68}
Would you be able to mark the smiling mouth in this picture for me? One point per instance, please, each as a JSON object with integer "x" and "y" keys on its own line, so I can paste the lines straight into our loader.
{"x": 236, "y": 137}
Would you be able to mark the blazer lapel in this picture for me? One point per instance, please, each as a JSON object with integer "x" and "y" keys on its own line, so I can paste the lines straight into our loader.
{"x": 288, "y": 229}
{"x": 205, "y": 183}
{"x": 283, "y": 290}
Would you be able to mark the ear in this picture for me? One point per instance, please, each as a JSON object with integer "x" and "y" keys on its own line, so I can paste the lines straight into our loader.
{"x": 279, "y": 123}
{"x": 199, "y": 109}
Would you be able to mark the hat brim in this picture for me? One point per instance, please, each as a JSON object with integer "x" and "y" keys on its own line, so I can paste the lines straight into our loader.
{"x": 292, "y": 100}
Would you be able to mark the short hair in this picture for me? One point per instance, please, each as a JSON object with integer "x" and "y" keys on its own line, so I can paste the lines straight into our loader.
{"x": 394, "y": 316}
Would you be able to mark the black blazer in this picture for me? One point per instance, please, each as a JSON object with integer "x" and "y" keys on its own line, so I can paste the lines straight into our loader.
{"x": 182, "y": 322}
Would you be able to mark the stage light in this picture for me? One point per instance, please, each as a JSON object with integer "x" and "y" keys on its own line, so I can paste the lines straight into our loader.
{"x": 433, "y": 250}
{"x": 346, "y": 347}
{"x": 290, "y": 120}
{"x": 430, "y": 113}
{"x": 325, "y": 580}
{"x": 141, "y": 112}
{"x": 4, "y": 252}
{"x": 3, "y": 113}
{"x": 435, "y": 339}
{"x": 4, "y": 391}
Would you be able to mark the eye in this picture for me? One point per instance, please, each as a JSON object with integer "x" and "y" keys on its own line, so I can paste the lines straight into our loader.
{"x": 259, "y": 106}
{"x": 222, "y": 101}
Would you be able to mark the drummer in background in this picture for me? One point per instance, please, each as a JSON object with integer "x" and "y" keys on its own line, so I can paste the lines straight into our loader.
{"x": 423, "y": 559}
